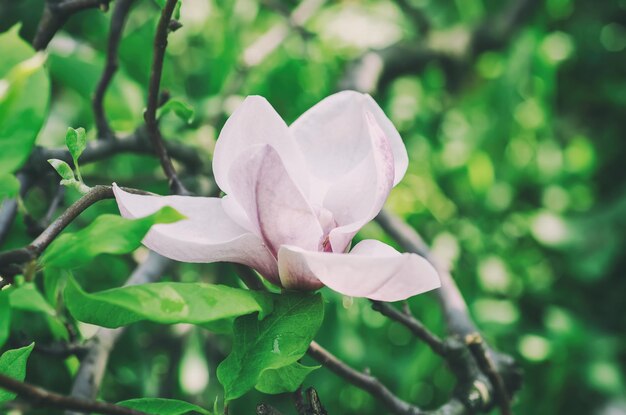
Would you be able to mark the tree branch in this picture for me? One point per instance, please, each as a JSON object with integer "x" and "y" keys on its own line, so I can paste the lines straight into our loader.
{"x": 118, "y": 20}
{"x": 35, "y": 248}
{"x": 160, "y": 44}
{"x": 43, "y": 397}
{"x": 415, "y": 326}
{"x": 364, "y": 381}
{"x": 56, "y": 13}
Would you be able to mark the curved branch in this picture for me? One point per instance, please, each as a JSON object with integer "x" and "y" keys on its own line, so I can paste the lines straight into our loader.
{"x": 160, "y": 43}
{"x": 43, "y": 397}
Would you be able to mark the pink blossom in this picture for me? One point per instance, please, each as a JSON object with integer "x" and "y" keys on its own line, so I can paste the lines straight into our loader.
{"x": 295, "y": 198}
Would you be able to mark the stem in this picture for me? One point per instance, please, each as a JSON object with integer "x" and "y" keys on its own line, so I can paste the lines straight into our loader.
{"x": 43, "y": 397}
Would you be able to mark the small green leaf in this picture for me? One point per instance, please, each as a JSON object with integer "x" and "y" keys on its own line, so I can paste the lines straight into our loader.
{"x": 183, "y": 110}
{"x": 110, "y": 234}
{"x": 13, "y": 364}
{"x": 76, "y": 142}
{"x": 160, "y": 3}
{"x": 64, "y": 169}
{"x": 9, "y": 186}
{"x": 163, "y": 302}
{"x": 275, "y": 342}
{"x": 5, "y": 317}
{"x": 285, "y": 379}
{"x": 160, "y": 406}
{"x": 28, "y": 298}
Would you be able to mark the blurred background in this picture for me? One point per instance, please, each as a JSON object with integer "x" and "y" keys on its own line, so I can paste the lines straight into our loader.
{"x": 513, "y": 115}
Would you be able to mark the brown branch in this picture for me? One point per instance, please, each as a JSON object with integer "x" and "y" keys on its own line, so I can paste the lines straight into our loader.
{"x": 364, "y": 381}
{"x": 160, "y": 43}
{"x": 118, "y": 20}
{"x": 452, "y": 302}
{"x": 477, "y": 347}
{"x": 415, "y": 326}
{"x": 35, "y": 248}
{"x": 42, "y": 397}
{"x": 56, "y": 13}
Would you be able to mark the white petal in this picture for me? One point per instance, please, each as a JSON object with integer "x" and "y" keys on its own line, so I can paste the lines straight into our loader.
{"x": 357, "y": 197}
{"x": 333, "y": 135}
{"x": 275, "y": 206}
{"x": 256, "y": 122}
{"x": 207, "y": 235}
{"x": 373, "y": 270}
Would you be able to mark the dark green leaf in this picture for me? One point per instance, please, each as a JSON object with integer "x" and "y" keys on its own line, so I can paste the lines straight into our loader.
{"x": 164, "y": 302}
{"x": 285, "y": 379}
{"x": 109, "y": 234}
{"x": 28, "y": 298}
{"x": 5, "y": 317}
{"x": 159, "y": 406}
{"x": 13, "y": 364}
{"x": 23, "y": 113}
{"x": 275, "y": 342}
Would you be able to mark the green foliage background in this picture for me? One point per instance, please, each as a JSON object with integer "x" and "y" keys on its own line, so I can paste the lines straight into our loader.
{"x": 516, "y": 178}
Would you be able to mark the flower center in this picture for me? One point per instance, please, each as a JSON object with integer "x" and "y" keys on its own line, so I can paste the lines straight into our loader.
{"x": 327, "y": 222}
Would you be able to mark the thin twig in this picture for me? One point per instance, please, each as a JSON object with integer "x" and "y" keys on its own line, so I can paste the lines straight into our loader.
{"x": 477, "y": 346}
{"x": 118, "y": 20}
{"x": 160, "y": 43}
{"x": 415, "y": 326}
{"x": 364, "y": 381}
{"x": 35, "y": 248}
{"x": 56, "y": 13}
{"x": 42, "y": 397}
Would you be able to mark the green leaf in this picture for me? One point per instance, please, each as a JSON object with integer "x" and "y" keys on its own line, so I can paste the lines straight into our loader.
{"x": 28, "y": 298}
{"x": 160, "y": 406}
{"x": 183, "y": 110}
{"x": 5, "y": 317}
{"x": 110, "y": 234}
{"x": 285, "y": 379}
{"x": 24, "y": 105}
{"x": 163, "y": 302}
{"x": 13, "y": 364}
{"x": 64, "y": 169}
{"x": 9, "y": 186}
{"x": 76, "y": 142}
{"x": 275, "y": 342}
{"x": 160, "y": 3}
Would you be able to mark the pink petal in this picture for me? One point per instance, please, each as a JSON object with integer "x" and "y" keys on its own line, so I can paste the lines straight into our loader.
{"x": 276, "y": 207}
{"x": 357, "y": 197}
{"x": 256, "y": 122}
{"x": 207, "y": 235}
{"x": 333, "y": 136}
{"x": 373, "y": 270}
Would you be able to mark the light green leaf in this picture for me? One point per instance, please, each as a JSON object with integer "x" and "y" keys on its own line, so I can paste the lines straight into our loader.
{"x": 13, "y": 364}
{"x": 25, "y": 103}
{"x": 163, "y": 302}
{"x": 28, "y": 298}
{"x": 275, "y": 342}
{"x": 64, "y": 169}
{"x": 5, "y": 317}
{"x": 285, "y": 379}
{"x": 160, "y": 406}
{"x": 9, "y": 186}
{"x": 183, "y": 110}
{"x": 110, "y": 234}
{"x": 76, "y": 142}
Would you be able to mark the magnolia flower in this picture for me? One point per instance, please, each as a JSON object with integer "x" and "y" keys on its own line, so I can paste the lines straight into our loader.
{"x": 295, "y": 197}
